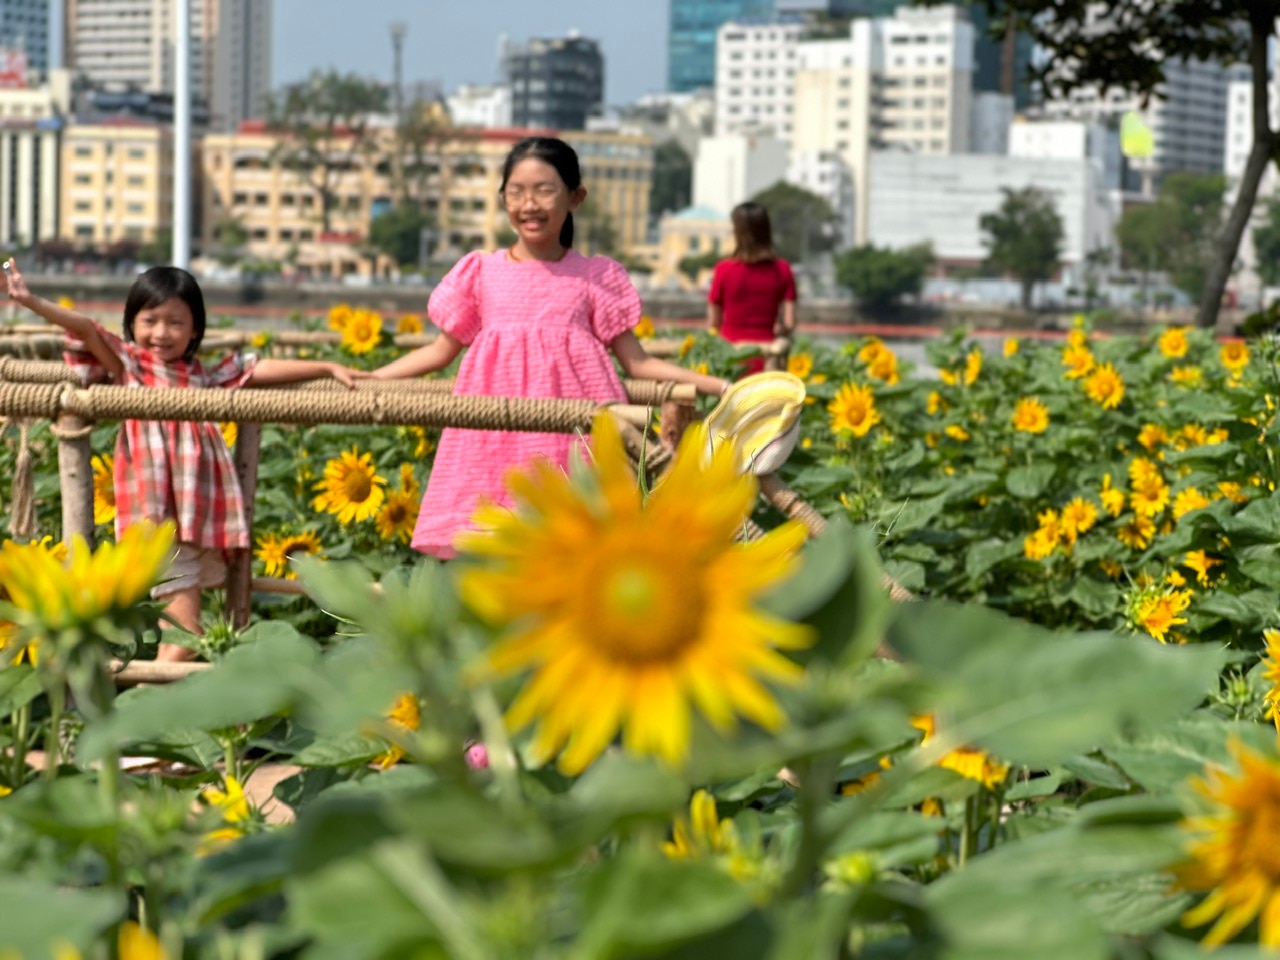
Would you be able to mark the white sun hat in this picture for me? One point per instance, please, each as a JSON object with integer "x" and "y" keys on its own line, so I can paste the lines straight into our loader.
{"x": 760, "y": 416}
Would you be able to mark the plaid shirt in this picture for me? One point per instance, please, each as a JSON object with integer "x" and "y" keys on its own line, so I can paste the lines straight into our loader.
{"x": 173, "y": 470}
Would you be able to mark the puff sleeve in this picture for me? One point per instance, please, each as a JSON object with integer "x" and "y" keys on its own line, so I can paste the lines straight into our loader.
{"x": 616, "y": 302}
{"x": 454, "y": 305}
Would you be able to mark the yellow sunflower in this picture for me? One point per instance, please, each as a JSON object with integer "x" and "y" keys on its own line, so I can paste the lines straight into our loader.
{"x": 1173, "y": 342}
{"x": 1232, "y": 850}
{"x": 275, "y": 551}
{"x": 1143, "y": 471}
{"x": 405, "y": 713}
{"x": 1188, "y": 500}
{"x": 1201, "y": 563}
{"x": 1149, "y": 499}
{"x": 236, "y": 813}
{"x": 1105, "y": 387}
{"x": 870, "y": 351}
{"x": 1078, "y": 361}
{"x": 645, "y": 328}
{"x": 423, "y": 444}
{"x": 409, "y": 323}
{"x": 1011, "y": 346}
{"x": 66, "y": 303}
{"x": 1078, "y": 518}
{"x": 1137, "y": 533}
{"x": 398, "y": 516}
{"x": 340, "y": 315}
{"x": 701, "y": 833}
{"x": 970, "y": 763}
{"x": 1157, "y": 613}
{"x": 104, "y": 489}
{"x": 363, "y": 332}
{"x": 1234, "y": 356}
{"x": 798, "y": 364}
{"x": 1231, "y": 490}
{"x": 230, "y": 433}
{"x": 853, "y": 410}
{"x": 972, "y": 367}
{"x": 627, "y": 610}
{"x": 1271, "y": 674}
{"x": 1187, "y": 376}
{"x": 350, "y": 488}
{"x": 1151, "y": 436}
{"x": 935, "y": 404}
{"x": 91, "y": 583}
{"x": 885, "y": 368}
{"x": 408, "y": 480}
{"x": 1041, "y": 544}
{"x": 956, "y": 432}
{"x": 1113, "y": 500}
{"x": 1030, "y": 416}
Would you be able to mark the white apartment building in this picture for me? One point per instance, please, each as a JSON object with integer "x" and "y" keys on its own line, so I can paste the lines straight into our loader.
{"x": 755, "y": 76}
{"x": 916, "y": 198}
{"x": 732, "y": 168}
{"x": 30, "y": 142}
{"x": 130, "y": 44}
{"x": 478, "y": 106}
{"x": 1238, "y": 142}
{"x": 902, "y": 83}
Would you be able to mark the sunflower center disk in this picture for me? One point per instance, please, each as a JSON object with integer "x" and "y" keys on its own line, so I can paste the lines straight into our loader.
{"x": 1260, "y": 850}
{"x": 645, "y": 610}
{"x": 357, "y": 485}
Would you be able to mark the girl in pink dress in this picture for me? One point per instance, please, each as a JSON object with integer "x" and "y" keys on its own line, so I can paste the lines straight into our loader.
{"x": 540, "y": 320}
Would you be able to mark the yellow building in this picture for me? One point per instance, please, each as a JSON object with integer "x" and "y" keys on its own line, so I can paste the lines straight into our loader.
{"x": 116, "y": 182}
{"x": 244, "y": 180}
{"x": 692, "y": 232}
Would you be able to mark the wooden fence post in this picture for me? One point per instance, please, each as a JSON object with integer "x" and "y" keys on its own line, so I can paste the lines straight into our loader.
{"x": 75, "y": 472}
{"x": 240, "y": 570}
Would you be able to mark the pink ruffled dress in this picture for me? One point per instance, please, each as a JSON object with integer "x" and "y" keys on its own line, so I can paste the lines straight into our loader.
{"x": 533, "y": 329}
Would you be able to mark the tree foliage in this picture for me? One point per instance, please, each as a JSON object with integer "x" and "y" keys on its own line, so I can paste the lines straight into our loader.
{"x": 1177, "y": 232}
{"x": 879, "y": 277}
{"x": 803, "y": 223}
{"x": 398, "y": 233}
{"x": 1128, "y": 46}
{"x": 1024, "y": 237}
{"x": 324, "y": 121}
{"x": 672, "y": 178}
{"x": 1266, "y": 243}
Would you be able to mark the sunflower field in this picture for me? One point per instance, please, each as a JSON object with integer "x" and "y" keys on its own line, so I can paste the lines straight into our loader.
{"x": 613, "y": 729}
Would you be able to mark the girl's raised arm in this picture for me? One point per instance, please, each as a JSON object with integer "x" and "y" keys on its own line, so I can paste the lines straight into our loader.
{"x": 638, "y": 364}
{"x": 76, "y": 324}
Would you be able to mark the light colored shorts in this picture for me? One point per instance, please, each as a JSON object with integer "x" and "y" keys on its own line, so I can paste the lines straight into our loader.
{"x": 193, "y": 566}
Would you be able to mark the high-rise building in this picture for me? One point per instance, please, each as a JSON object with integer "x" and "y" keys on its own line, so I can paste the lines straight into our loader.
{"x": 129, "y": 44}
{"x": 755, "y": 75}
{"x": 555, "y": 83}
{"x": 24, "y": 28}
{"x": 691, "y": 38}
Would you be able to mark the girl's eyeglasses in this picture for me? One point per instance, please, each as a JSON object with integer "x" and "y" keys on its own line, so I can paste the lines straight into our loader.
{"x": 544, "y": 194}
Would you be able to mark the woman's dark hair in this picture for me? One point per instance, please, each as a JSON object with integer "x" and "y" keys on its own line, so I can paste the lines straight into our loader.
{"x": 557, "y": 153}
{"x": 158, "y": 285}
{"x": 752, "y": 234}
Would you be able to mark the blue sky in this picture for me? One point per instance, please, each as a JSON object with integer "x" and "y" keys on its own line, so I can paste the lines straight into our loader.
{"x": 456, "y": 41}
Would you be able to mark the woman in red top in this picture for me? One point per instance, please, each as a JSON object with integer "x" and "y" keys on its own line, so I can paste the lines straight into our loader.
{"x": 748, "y": 288}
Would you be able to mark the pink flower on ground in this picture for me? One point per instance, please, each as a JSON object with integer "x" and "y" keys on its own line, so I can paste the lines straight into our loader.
{"x": 477, "y": 756}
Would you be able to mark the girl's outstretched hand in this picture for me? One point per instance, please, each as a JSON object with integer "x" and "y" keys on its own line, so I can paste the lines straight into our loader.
{"x": 347, "y": 376}
{"x": 15, "y": 287}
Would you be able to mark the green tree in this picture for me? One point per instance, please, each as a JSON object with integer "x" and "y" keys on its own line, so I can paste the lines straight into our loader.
{"x": 398, "y": 233}
{"x": 1145, "y": 234}
{"x": 1266, "y": 244}
{"x": 803, "y": 223}
{"x": 230, "y": 238}
{"x": 879, "y": 277}
{"x": 672, "y": 178}
{"x": 324, "y": 121}
{"x": 1129, "y": 51}
{"x": 1024, "y": 237}
{"x": 694, "y": 265}
{"x": 1177, "y": 232}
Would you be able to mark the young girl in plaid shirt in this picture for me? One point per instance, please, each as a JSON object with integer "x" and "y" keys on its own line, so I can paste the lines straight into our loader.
{"x": 179, "y": 471}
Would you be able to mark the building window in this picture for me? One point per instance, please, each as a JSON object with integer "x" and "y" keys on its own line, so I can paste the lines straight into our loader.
{"x": 84, "y": 232}
{"x": 84, "y": 151}
{"x": 83, "y": 205}
{"x": 136, "y": 181}
{"x": 85, "y": 178}
{"x": 240, "y": 199}
{"x": 133, "y": 208}
{"x": 137, "y": 153}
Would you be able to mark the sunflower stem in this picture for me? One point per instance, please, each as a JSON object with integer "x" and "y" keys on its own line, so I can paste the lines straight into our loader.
{"x": 997, "y": 802}
{"x": 52, "y": 741}
{"x": 502, "y": 756}
{"x": 21, "y": 724}
{"x": 817, "y": 781}
{"x": 967, "y": 833}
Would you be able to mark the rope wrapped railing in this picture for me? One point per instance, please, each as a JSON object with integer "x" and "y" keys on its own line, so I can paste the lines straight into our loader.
{"x": 643, "y": 392}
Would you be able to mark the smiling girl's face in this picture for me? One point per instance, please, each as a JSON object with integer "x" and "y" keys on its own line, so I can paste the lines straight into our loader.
{"x": 538, "y": 202}
{"x": 166, "y": 330}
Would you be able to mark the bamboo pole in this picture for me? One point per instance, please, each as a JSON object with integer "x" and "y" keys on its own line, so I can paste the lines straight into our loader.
{"x": 240, "y": 571}
{"x": 75, "y": 472}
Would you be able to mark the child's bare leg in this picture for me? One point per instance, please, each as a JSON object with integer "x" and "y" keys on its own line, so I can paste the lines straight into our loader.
{"x": 184, "y": 608}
